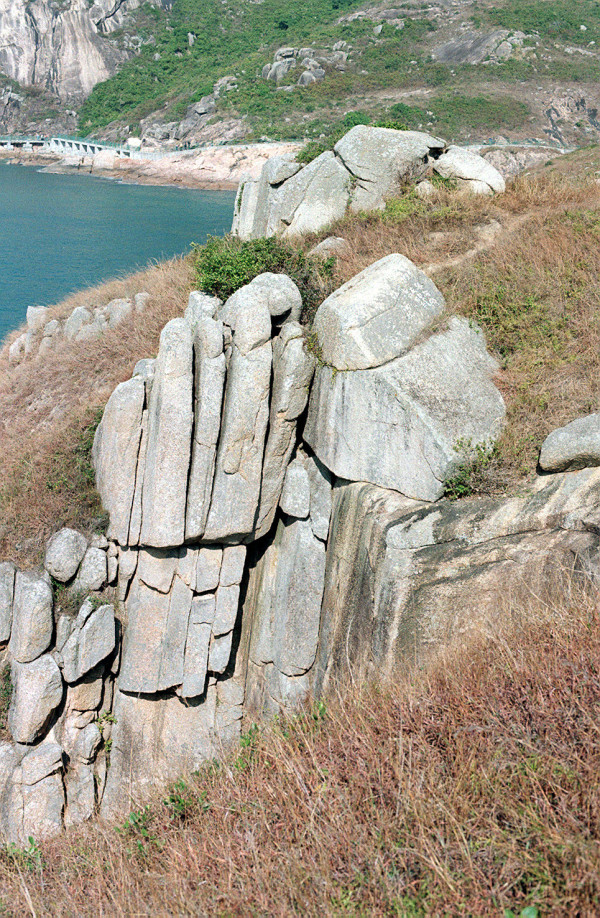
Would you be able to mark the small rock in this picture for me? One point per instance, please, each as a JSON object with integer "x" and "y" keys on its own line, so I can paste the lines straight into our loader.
{"x": 32, "y": 617}
{"x": 575, "y": 446}
{"x": 92, "y": 573}
{"x": 37, "y": 692}
{"x": 333, "y": 245}
{"x": 92, "y": 640}
{"x": 117, "y": 311}
{"x": 64, "y": 554}
{"x": 78, "y": 318}
{"x": 36, "y": 317}
{"x": 295, "y": 497}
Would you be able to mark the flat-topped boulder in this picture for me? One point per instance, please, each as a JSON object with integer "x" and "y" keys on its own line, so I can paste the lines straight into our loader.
{"x": 377, "y": 315}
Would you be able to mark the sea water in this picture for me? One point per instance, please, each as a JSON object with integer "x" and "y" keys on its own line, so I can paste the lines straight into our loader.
{"x": 61, "y": 233}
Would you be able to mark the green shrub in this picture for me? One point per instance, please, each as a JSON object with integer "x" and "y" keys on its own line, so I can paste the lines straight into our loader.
{"x": 469, "y": 475}
{"x": 227, "y": 263}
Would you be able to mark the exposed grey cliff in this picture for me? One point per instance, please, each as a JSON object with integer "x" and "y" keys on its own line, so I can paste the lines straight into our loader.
{"x": 64, "y": 47}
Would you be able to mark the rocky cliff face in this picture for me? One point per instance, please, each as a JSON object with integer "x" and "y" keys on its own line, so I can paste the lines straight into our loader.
{"x": 62, "y": 46}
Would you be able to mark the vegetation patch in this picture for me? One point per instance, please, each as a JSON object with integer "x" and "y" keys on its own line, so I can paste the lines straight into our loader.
{"x": 225, "y": 264}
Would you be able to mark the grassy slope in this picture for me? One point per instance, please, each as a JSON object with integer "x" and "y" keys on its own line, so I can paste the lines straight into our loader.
{"x": 238, "y": 37}
{"x": 470, "y": 789}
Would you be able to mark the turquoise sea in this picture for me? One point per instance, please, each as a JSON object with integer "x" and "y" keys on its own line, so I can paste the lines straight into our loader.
{"x": 60, "y": 233}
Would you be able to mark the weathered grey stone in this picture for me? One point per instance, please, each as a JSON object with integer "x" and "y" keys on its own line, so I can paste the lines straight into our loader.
{"x": 64, "y": 626}
{"x": 232, "y": 567}
{"x": 246, "y": 312}
{"x": 87, "y": 744}
{"x": 377, "y": 315}
{"x": 32, "y": 617}
{"x": 117, "y": 311}
{"x": 7, "y": 591}
{"x": 470, "y": 168}
{"x": 81, "y": 794}
{"x": 280, "y": 294}
{"x": 92, "y": 574}
{"x": 115, "y": 455}
{"x": 169, "y": 439}
{"x": 128, "y": 559}
{"x": 246, "y": 203}
{"x": 156, "y": 567}
{"x": 210, "y": 368}
{"x": 332, "y": 245}
{"x": 155, "y": 741}
{"x": 43, "y": 805}
{"x": 227, "y": 604}
{"x": 208, "y": 569}
{"x": 295, "y": 497}
{"x": 37, "y": 316}
{"x": 86, "y": 695}
{"x": 293, "y": 369}
{"x": 413, "y": 413}
{"x": 201, "y": 306}
{"x": 424, "y": 189}
{"x": 281, "y": 169}
{"x": 135, "y": 521}
{"x": 575, "y": 446}
{"x": 320, "y": 497}
{"x": 78, "y": 318}
{"x": 404, "y": 577}
{"x": 92, "y": 640}
{"x": 145, "y": 368}
{"x": 220, "y": 652}
{"x": 16, "y": 351}
{"x": 112, "y": 564}
{"x": 37, "y": 692}
{"x": 238, "y": 470}
{"x": 51, "y": 328}
{"x": 155, "y": 638}
{"x": 382, "y": 160}
{"x": 92, "y": 331}
{"x": 317, "y": 196}
{"x": 41, "y": 762}
{"x": 196, "y": 650}
{"x": 282, "y": 614}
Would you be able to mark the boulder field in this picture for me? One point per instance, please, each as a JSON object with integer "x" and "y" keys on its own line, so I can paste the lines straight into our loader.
{"x": 277, "y": 525}
{"x": 367, "y": 167}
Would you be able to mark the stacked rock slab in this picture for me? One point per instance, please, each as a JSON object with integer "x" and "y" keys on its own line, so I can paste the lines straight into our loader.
{"x": 61, "y": 672}
{"x": 366, "y": 168}
{"x": 190, "y": 459}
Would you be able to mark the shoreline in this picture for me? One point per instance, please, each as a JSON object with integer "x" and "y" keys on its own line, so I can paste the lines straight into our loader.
{"x": 217, "y": 168}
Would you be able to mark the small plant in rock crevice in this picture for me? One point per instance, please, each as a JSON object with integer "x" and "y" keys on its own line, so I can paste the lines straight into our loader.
{"x": 476, "y": 459}
{"x": 5, "y": 698}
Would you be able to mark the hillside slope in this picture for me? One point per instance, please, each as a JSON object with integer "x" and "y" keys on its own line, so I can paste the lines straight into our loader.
{"x": 468, "y": 70}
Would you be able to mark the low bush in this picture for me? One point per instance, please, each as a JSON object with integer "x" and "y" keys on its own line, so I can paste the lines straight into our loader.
{"x": 225, "y": 264}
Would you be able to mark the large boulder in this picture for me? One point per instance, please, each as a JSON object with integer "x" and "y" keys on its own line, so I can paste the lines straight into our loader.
{"x": 381, "y": 161}
{"x": 575, "y": 446}
{"x": 377, "y": 315}
{"x": 401, "y": 425}
{"x": 470, "y": 170}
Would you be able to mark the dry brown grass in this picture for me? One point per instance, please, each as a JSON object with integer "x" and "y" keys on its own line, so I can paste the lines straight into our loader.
{"x": 465, "y": 789}
{"x": 48, "y": 408}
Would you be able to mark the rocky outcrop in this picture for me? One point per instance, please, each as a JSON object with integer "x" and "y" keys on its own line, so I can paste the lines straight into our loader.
{"x": 45, "y": 334}
{"x": 575, "y": 446}
{"x": 64, "y": 47}
{"x": 366, "y": 168}
{"x": 268, "y": 536}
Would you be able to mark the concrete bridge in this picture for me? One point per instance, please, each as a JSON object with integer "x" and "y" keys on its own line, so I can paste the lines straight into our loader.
{"x": 65, "y": 146}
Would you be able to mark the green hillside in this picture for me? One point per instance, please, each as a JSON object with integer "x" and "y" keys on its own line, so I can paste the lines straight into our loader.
{"x": 393, "y": 54}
